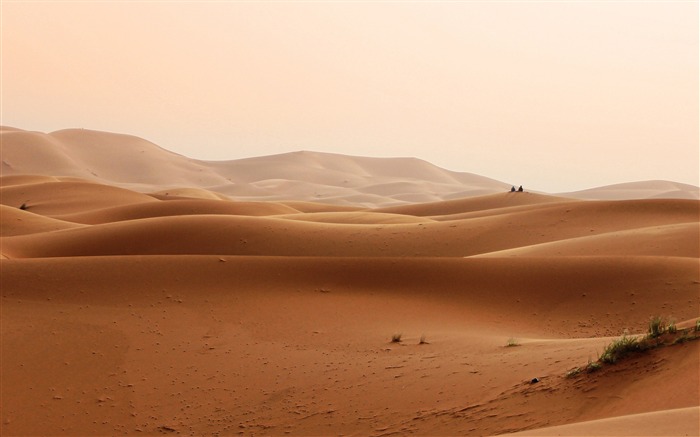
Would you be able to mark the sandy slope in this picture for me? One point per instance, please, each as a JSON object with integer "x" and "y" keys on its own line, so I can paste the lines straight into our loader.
{"x": 639, "y": 190}
{"x": 670, "y": 240}
{"x": 473, "y": 204}
{"x": 147, "y": 225}
{"x": 135, "y": 163}
{"x": 268, "y": 345}
{"x": 159, "y": 312}
{"x": 681, "y": 421}
{"x": 65, "y": 197}
{"x": 177, "y": 207}
{"x": 19, "y": 222}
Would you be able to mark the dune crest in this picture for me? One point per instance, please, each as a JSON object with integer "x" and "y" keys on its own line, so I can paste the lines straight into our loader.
{"x": 135, "y": 163}
{"x": 676, "y": 422}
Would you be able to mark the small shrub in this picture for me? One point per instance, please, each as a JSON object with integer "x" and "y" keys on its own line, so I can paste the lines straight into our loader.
{"x": 422, "y": 340}
{"x": 396, "y": 338}
{"x": 619, "y": 348}
{"x": 656, "y": 327}
{"x": 512, "y": 342}
{"x": 593, "y": 367}
{"x": 23, "y": 206}
{"x": 626, "y": 345}
{"x": 573, "y": 372}
{"x": 672, "y": 329}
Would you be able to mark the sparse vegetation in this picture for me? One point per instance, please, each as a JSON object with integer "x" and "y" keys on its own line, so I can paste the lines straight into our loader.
{"x": 573, "y": 372}
{"x": 23, "y": 206}
{"x": 422, "y": 340}
{"x": 396, "y": 338}
{"x": 672, "y": 329}
{"x": 656, "y": 327}
{"x": 593, "y": 366}
{"x": 683, "y": 338}
{"x": 512, "y": 342}
{"x": 619, "y": 348}
{"x": 661, "y": 332}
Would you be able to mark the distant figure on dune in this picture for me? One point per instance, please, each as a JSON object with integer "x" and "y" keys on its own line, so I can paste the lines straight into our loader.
{"x": 520, "y": 190}
{"x": 512, "y": 189}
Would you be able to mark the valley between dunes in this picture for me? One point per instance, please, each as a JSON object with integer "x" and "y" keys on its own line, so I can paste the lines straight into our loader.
{"x": 129, "y": 311}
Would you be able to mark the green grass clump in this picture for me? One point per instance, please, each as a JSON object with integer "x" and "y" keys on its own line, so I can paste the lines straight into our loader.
{"x": 619, "y": 348}
{"x": 591, "y": 367}
{"x": 654, "y": 338}
{"x": 512, "y": 342}
{"x": 672, "y": 328}
{"x": 656, "y": 326}
{"x": 594, "y": 366}
{"x": 573, "y": 372}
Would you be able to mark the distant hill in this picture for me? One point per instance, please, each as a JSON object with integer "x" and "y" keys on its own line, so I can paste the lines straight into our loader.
{"x": 138, "y": 164}
{"x": 639, "y": 190}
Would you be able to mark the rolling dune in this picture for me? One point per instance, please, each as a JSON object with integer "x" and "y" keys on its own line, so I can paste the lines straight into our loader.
{"x": 177, "y": 207}
{"x": 472, "y": 204}
{"x": 668, "y": 240}
{"x": 658, "y": 423}
{"x": 154, "y": 304}
{"x": 18, "y": 222}
{"x": 134, "y": 163}
{"x": 65, "y": 197}
{"x": 302, "y": 344}
{"x": 150, "y": 227}
{"x": 639, "y": 190}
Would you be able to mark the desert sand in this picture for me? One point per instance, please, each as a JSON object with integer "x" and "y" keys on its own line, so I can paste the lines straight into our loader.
{"x": 147, "y": 293}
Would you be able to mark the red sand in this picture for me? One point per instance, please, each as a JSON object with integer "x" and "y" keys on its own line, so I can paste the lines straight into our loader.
{"x": 130, "y": 313}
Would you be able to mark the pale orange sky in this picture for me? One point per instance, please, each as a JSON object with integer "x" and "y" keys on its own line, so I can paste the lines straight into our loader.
{"x": 556, "y": 96}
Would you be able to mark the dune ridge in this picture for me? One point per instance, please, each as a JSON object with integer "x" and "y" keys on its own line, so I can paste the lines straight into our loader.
{"x": 152, "y": 227}
{"x": 163, "y": 304}
{"x": 137, "y": 164}
{"x": 675, "y": 422}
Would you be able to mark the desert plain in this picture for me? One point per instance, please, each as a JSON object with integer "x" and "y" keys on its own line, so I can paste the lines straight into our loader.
{"x": 146, "y": 293}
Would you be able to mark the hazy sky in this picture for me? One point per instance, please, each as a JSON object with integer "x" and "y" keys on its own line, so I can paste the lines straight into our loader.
{"x": 552, "y": 95}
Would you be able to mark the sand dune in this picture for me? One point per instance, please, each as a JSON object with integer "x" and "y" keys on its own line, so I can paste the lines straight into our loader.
{"x": 288, "y": 344}
{"x": 472, "y": 204}
{"x": 194, "y": 193}
{"x": 177, "y": 207}
{"x": 302, "y": 206}
{"x": 355, "y": 217}
{"x": 151, "y": 226}
{"x": 639, "y": 190}
{"x": 275, "y": 236}
{"x": 138, "y": 298}
{"x": 667, "y": 240}
{"x": 98, "y": 156}
{"x": 134, "y": 163}
{"x": 19, "y": 222}
{"x": 6, "y": 181}
{"x": 55, "y": 198}
{"x": 138, "y": 164}
{"x": 678, "y": 422}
